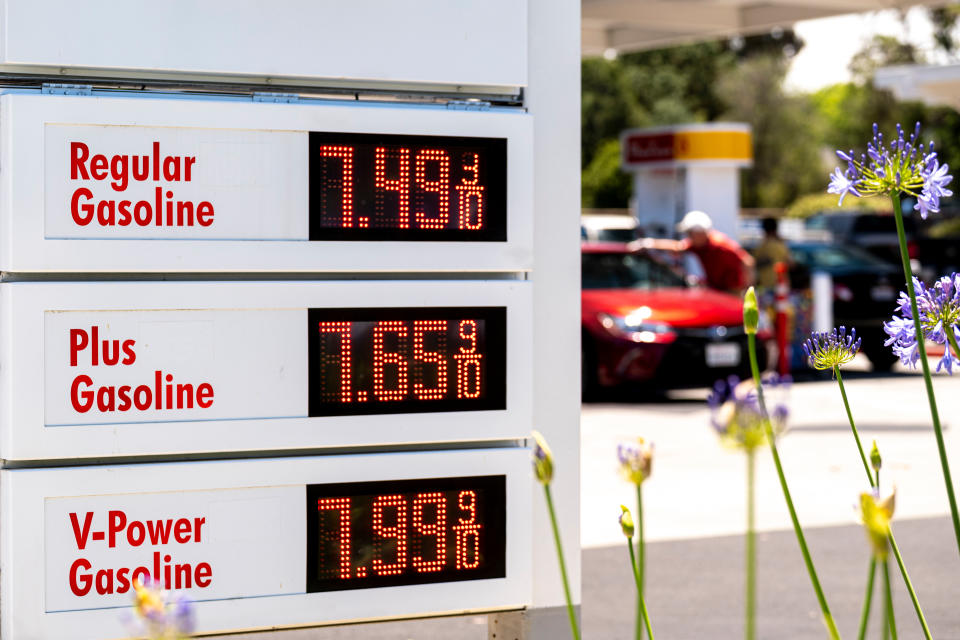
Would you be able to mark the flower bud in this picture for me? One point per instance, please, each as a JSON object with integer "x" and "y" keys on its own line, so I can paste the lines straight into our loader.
{"x": 875, "y": 460}
{"x": 626, "y": 522}
{"x": 751, "y": 312}
{"x": 875, "y": 514}
{"x": 636, "y": 460}
{"x": 542, "y": 459}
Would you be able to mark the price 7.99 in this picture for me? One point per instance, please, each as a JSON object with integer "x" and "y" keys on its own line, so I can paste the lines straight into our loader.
{"x": 407, "y": 533}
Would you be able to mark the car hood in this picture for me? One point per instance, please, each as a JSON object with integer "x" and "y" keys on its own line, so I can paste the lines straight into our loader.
{"x": 678, "y": 307}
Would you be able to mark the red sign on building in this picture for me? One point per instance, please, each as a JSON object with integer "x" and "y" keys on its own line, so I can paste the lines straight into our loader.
{"x": 641, "y": 148}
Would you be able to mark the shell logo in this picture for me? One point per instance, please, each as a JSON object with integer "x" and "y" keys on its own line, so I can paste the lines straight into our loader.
{"x": 713, "y": 143}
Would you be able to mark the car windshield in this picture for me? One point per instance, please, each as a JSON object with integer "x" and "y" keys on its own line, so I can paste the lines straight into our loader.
{"x": 835, "y": 257}
{"x": 616, "y": 235}
{"x": 626, "y": 271}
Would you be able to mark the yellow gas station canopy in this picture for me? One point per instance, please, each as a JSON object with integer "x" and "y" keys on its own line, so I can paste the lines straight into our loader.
{"x": 713, "y": 143}
{"x": 633, "y": 25}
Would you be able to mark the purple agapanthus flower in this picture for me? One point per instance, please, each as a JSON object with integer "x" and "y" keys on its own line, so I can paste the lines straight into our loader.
{"x": 826, "y": 350}
{"x": 159, "y": 614}
{"x": 841, "y": 184}
{"x": 939, "y": 309}
{"x": 936, "y": 179}
{"x": 182, "y": 617}
{"x": 903, "y": 166}
{"x": 735, "y": 410}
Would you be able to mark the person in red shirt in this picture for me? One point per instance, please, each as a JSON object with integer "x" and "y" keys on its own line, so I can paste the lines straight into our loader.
{"x": 726, "y": 265}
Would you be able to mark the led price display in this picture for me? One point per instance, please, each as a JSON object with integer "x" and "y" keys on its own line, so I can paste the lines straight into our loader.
{"x": 408, "y": 188}
{"x": 406, "y": 360}
{"x": 381, "y": 534}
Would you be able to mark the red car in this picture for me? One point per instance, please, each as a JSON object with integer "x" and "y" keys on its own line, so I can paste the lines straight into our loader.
{"x": 642, "y": 323}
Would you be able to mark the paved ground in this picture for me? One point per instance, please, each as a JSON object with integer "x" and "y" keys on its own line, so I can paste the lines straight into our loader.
{"x": 696, "y": 586}
{"x": 695, "y": 514}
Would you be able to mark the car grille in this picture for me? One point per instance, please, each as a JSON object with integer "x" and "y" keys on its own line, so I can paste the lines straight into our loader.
{"x": 685, "y": 361}
{"x": 718, "y": 333}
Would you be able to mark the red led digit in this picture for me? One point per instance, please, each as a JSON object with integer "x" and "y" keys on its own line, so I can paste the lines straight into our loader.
{"x": 381, "y": 358}
{"x": 468, "y": 332}
{"x": 436, "y": 357}
{"x": 436, "y": 528}
{"x": 467, "y": 501}
{"x": 468, "y": 532}
{"x": 469, "y": 375}
{"x": 470, "y": 195}
{"x": 346, "y": 359}
{"x": 400, "y": 184}
{"x": 397, "y": 531}
{"x": 440, "y": 186}
{"x": 469, "y": 366}
{"x": 345, "y": 154}
{"x": 341, "y": 505}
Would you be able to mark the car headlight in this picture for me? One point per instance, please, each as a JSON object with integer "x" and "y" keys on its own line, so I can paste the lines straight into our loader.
{"x": 634, "y": 327}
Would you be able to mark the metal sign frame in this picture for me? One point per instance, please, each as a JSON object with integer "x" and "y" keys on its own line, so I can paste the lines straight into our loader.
{"x": 26, "y": 247}
{"x": 22, "y": 549}
{"x": 24, "y": 436}
{"x": 473, "y": 43}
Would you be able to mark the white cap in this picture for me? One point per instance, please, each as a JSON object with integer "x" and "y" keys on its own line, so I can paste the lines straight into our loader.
{"x": 695, "y": 220}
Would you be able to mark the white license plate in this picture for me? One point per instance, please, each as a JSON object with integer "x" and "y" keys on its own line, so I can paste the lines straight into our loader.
{"x": 723, "y": 354}
{"x": 882, "y": 292}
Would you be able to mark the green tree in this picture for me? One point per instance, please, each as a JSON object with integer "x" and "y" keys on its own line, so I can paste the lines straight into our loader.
{"x": 882, "y": 51}
{"x": 603, "y": 183}
{"x": 659, "y": 87}
{"x": 944, "y": 20}
{"x": 608, "y": 105}
{"x": 786, "y": 136}
{"x": 847, "y": 111}
{"x": 648, "y": 88}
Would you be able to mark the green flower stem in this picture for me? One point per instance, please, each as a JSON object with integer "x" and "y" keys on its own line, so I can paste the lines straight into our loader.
{"x": 893, "y": 542}
{"x": 751, "y": 624}
{"x": 641, "y": 560}
{"x": 889, "y": 599}
{"x": 853, "y": 427}
{"x": 575, "y": 629}
{"x": 801, "y": 540}
{"x": 638, "y": 580}
{"x": 867, "y": 600}
{"x": 931, "y": 398}
{"x": 909, "y": 584}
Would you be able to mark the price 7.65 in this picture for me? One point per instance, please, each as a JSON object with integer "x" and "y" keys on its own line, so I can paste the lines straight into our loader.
{"x": 407, "y": 360}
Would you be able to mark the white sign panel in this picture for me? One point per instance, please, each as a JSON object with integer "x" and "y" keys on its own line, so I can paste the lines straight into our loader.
{"x": 96, "y": 547}
{"x": 131, "y": 182}
{"x": 250, "y": 541}
{"x": 115, "y": 367}
{"x": 134, "y": 368}
{"x": 479, "y": 43}
{"x": 166, "y": 184}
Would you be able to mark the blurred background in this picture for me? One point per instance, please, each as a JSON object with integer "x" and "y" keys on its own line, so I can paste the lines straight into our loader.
{"x": 668, "y": 89}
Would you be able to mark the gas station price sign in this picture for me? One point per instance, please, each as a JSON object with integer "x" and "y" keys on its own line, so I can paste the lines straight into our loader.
{"x": 381, "y": 534}
{"x": 406, "y": 360}
{"x": 407, "y": 187}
